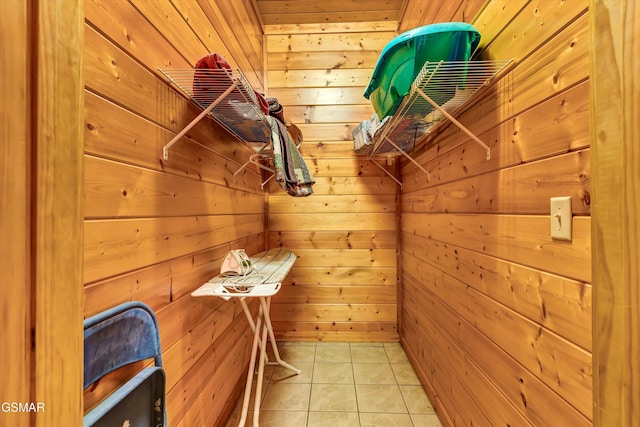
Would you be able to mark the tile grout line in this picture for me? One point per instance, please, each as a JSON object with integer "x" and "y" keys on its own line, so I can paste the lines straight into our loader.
{"x": 315, "y": 357}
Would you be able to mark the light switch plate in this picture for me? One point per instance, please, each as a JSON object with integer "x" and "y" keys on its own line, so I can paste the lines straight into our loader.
{"x": 561, "y": 218}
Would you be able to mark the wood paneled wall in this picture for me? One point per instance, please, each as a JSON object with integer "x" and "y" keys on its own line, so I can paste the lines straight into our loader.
{"x": 343, "y": 286}
{"x": 496, "y": 316}
{"x": 41, "y": 213}
{"x": 615, "y": 82}
{"x": 156, "y": 229}
{"x": 15, "y": 208}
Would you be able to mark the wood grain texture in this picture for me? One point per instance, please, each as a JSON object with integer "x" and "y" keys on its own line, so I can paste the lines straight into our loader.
{"x": 559, "y": 304}
{"x": 615, "y": 88}
{"x": 418, "y": 13}
{"x": 116, "y": 190}
{"x": 524, "y": 189}
{"x": 558, "y": 363}
{"x": 133, "y": 33}
{"x": 343, "y": 276}
{"x": 447, "y": 352}
{"x": 335, "y": 203}
{"x": 329, "y": 60}
{"x": 157, "y": 229}
{"x": 518, "y": 238}
{"x": 15, "y": 207}
{"x": 247, "y": 54}
{"x": 331, "y": 11}
{"x": 114, "y": 247}
{"x": 561, "y": 122}
{"x": 57, "y": 212}
{"x": 207, "y": 153}
{"x": 344, "y": 235}
{"x": 330, "y": 27}
{"x": 479, "y": 271}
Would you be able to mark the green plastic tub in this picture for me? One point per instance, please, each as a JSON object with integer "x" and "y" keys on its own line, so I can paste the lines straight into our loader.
{"x": 403, "y": 57}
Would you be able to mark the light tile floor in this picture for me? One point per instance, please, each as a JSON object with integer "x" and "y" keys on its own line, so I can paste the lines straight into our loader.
{"x": 342, "y": 385}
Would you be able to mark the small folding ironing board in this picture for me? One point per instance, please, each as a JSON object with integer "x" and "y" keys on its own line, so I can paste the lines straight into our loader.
{"x": 270, "y": 269}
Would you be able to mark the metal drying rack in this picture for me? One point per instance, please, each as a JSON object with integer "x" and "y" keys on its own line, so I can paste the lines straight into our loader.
{"x": 227, "y": 97}
{"x": 438, "y": 92}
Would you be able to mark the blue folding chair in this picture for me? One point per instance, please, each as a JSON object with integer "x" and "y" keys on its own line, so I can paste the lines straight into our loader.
{"x": 117, "y": 337}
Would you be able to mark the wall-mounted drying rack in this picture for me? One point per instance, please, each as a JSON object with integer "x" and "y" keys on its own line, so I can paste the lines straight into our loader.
{"x": 226, "y": 96}
{"x": 438, "y": 92}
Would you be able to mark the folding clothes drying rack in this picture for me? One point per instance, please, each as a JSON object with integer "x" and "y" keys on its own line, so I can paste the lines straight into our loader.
{"x": 226, "y": 96}
{"x": 270, "y": 269}
{"x": 439, "y": 92}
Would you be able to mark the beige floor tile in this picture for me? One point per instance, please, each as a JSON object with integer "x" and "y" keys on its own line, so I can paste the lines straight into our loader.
{"x": 396, "y": 353}
{"x": 423, "y": 420}
{"x": 333, "y": 373}
{"x": 416, "y": 399}
{"x": 270, "y": 354}
{"x": 385, "y": 420}
{"x": 234, "y": 419}
{"x": 282, "y": 419}
{"x": 333, "y": 419}
{"x": 333, "y": 353}
{"x": 384, "y": 398}
{"x": 332, "y": 343}
{"x": 337, "y": 381}
{"x": 287, "y": 397}
{"x": 333, "y": 397}
{"x": 284, "y": 375}
{"x": 293, "y": 353}
{"x": 405, "y": 375}
{"x": 252, "y": 395}
{"x": 373, "y": 373}
{"x": 369, "y": 354}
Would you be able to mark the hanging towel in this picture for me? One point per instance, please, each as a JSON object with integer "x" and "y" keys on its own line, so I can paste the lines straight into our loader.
{"x": 291, "y": 171}
{"x": 275, "y": 109}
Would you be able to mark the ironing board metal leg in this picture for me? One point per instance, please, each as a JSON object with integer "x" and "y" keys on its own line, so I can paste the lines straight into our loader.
{"x": 261, "y": 363}
{"x": 267, "y": 321}
{"x": 247, "y": 313}
{"x": 252, "y": 364}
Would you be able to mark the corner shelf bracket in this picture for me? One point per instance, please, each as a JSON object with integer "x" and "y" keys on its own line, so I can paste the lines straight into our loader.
{"x": 375, "y": 162}
{"x": 453, "y": 120}
{"x": 205, "y": 112}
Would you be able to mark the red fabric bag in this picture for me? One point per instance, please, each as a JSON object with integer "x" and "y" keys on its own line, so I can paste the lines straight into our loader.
{"x": 215, "y": 61}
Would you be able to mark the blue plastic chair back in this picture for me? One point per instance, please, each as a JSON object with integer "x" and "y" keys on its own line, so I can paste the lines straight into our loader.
{"x": 117, "y": 337}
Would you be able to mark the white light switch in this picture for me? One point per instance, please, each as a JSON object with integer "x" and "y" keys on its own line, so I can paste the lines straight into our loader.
{"x": 561, "y": 218}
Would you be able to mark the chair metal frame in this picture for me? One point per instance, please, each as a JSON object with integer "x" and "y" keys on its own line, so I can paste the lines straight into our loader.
{"x": 119, "y": 336}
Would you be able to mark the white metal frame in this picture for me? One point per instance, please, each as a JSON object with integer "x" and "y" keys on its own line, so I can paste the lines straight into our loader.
{"x": 261, "y": 327}
{"x": 444, "y": 87}
{"x": 227, "y": 97}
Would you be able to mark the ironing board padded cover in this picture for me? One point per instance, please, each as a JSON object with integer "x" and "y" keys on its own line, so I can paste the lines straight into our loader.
{"x": 119, "y": 336}
{"x": 403, "y": 57}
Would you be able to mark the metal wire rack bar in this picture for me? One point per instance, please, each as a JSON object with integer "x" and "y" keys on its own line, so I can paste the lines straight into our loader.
{"x": 438, "y": 92}
{"x": 228, "y": 98}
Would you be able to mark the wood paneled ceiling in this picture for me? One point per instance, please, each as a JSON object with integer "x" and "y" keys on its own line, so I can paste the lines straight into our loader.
{"x": 279, "y": 12}
{"x": 405, "y": 13}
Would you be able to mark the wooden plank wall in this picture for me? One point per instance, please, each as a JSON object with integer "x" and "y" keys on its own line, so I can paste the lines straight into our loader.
{"x": 496, "y": 316}
{"x": 156, "y": 229}
{"x": 15, "y": 211}
{"x": 615, "y": 61}
{"x": 41, "y": 213}
{"x": 343, "y": 287}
